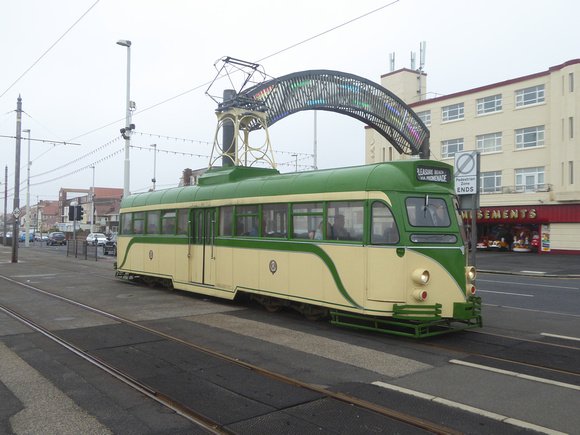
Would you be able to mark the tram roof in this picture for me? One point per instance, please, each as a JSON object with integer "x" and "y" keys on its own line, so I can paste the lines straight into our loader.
{"x": 241, "y": 182}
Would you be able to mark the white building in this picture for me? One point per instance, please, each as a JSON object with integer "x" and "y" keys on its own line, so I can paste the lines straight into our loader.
{"x": 526, "y": 131}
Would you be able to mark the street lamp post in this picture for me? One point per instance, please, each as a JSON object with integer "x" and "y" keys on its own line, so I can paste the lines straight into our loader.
{"x": 127, "y": 133}
{"x": 154, "y": 163}
{"x": 93, "y": 200}
{"x": 27, "y": 224}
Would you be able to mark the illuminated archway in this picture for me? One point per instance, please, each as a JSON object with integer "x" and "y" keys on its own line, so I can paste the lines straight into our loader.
{"x": 342, "y": 93}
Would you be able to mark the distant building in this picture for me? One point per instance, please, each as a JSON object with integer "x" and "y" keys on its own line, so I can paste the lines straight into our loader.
{"x": 98, "y": 208}
{"x": 526, "y": 131}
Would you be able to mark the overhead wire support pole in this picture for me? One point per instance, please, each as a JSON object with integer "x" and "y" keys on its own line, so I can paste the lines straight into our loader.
{"x": 16, "y": 206}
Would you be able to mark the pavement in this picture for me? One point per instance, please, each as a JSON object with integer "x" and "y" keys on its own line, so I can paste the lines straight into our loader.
{"x": 529, "y": 264}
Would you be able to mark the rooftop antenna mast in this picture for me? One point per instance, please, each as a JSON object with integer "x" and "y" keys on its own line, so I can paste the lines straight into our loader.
{"x": 423, "y": 49}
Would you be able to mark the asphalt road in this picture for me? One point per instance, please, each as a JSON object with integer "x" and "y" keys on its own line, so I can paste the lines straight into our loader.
{"x": 402, "y": 372}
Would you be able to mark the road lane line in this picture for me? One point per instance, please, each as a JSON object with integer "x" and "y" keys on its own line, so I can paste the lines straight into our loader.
{"x": 529, "y": 285}
{"x": 471, "y": 409}
{"x": 516, "y": 374}
{"x": 505, "y": 293}
{"x": 559, "y": 336}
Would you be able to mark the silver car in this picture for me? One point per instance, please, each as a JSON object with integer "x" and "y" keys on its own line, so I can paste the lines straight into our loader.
{"x": 96, "y": 239}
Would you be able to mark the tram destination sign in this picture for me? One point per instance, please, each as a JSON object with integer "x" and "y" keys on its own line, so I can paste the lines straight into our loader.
{"x": 433, "y": 174}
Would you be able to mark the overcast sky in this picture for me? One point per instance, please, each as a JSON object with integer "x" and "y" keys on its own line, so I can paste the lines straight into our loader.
{"x": 76, "y": 91}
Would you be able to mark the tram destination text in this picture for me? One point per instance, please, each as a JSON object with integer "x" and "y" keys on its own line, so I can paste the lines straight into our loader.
{"x": 433, "y": 174}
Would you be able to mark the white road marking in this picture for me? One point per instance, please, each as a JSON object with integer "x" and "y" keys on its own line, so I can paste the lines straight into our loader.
{"x": 516, "y": 374}
{"x": 505, "y": 293}
{"x": 34, "y": 276}
{"x": 528, "y": 285}
{"x": 472, "y": 409}
{"x": 376, "y": 361}
{"x": 559, "y": 336}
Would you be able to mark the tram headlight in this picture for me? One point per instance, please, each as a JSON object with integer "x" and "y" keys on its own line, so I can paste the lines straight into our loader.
{"x": 419, "y": 294}
{"x": 421, "y": 276}
{"x": 470, "y": 272}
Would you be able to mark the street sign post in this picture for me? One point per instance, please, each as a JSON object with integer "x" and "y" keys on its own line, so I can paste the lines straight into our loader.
{"x": 466, "y": 176}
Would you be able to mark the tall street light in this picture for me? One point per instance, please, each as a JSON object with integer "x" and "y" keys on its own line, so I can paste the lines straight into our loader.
{"x": 27, "y": 224}
{"x": 93, "y": 200}
{"x": 154, "y": 163}
{"x": 127, "y": 130}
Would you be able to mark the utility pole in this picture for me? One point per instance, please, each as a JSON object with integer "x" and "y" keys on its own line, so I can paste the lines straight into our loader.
{"x": 16, "y": 207}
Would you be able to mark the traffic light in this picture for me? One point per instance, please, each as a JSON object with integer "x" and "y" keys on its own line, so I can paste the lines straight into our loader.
{"x": 80, "y": 212}
{"x": 71, "y": 213}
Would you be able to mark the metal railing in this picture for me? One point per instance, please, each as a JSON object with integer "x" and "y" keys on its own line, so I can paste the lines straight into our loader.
{"x": 81, "y": 249}
{"x": 528, "y": 188}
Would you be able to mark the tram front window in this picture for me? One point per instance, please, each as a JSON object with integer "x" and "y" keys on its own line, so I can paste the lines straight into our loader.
{"x": 432, "y": 212}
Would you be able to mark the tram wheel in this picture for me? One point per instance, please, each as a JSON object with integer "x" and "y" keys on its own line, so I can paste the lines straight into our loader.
{"x": 272, "y": 306}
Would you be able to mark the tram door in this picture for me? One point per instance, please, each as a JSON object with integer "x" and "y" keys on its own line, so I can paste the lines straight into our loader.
{"x": 202, "y": 237}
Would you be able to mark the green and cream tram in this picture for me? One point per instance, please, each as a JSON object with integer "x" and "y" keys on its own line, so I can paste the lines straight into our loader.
{"x": 379, "y": 246}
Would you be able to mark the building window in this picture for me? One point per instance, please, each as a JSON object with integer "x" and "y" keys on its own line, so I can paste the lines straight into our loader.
{"x": 571, "y": 169}
{"x": 490, "y": 182}
{"x": 530, "y": 137}
{"x": 571, "y": 81}
{"x": 571, "y": 122}
{"x": 425, "y": 117}
{"x": 530, "y": 179}
{"x": 529, "y": 96}
{"x": 450, "y": 147}
{"x": 489, "y": 143}
{"x": 452, "y": 113}
{"x": 489, "y": 105}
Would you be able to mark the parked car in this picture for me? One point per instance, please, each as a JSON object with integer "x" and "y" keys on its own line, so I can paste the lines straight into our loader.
{"x": 96, "y": 239}
{"x": 41, "y": 238}
{"x": 110, "y": 245}
{"x": 22, "y": 237}
{"x": 56, "y": 238}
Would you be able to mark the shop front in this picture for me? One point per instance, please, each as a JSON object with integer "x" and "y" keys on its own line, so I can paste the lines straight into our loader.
{"x": 545, "y": 229}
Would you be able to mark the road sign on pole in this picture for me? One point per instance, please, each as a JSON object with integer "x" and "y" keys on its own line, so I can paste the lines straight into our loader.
{"x": 466, "y": 172}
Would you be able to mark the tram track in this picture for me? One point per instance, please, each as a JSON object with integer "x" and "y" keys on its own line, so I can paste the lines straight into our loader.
{"x": 462, "y": 350}
{"x": 165, "y": 398}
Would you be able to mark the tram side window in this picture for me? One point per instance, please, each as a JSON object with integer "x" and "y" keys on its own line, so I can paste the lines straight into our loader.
{"x": 152, "y": 222}
{"x": 427, "y": 212}
{"x": 383, "y": 226}
{"x": 138, "y": 223}
{"x": 346, "y": 219}
{"x": 126, "y": 223}
{"x": 182, "y": 220}
{"x": 247, "y": 221}
{"x": 168, "y": 222}
{"x": 274, "y": 220}
{"x": 307, "y": 220}
{"x": 226, "y": 220}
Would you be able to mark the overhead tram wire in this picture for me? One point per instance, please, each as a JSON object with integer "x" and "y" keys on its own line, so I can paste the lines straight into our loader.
{"x": 328, "y": 31}
{"x": 50, "y": 48}
{"x": 89, "y": 166}
{"x": 203, "y": 85}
